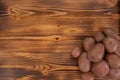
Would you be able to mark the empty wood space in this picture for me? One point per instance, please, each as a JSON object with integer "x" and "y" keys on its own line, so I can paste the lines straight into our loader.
{"x": 37, "y": 36}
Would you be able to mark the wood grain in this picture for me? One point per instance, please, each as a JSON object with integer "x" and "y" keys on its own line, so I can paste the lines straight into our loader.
{"x": 37, "y": 36}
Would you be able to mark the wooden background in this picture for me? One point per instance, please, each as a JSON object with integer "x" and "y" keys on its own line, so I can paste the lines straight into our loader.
{"x": 37, "y": 36}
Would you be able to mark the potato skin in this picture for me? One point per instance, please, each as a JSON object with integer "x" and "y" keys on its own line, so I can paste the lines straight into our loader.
{"x": 114, "y": 73}
{"x": 99, "y": 36}
{"x": 99, "y": 56}
{"x": 110, "y": 32}
{"x": 118, "y": 49}
{"x": 100, "y": 69}
{"x": 87, "y": 76}
{"x": 96, "y": 53}
{"x": 84, "y": 63}
{"x": 110, "y": 44}
{"x": 113, "y": 60}
{"x": 76, "y": 52}
{"x": 88, "y": 43}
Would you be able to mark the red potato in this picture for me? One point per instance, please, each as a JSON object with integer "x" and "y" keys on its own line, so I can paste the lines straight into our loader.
{"x": 76, "y": 52}
{"x": 91, "y": 61}
{"x": 113, "y": 60}
{"x": 87, "y": 76}
{"x": 88, "y": 43}
{"x": 110, "y": 44}
{"x": 99, "y": 36}
{"x": 84, "y": 63}
{"x": 110, "y": 32}
{"x": 100, "y": 69}
{"x": 96, "y": 53}
{"x": 118, "y": 49}
{"x": 114, "y": 73}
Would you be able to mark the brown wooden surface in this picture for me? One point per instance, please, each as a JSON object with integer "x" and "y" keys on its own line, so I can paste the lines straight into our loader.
{"x": 37, "y": 36}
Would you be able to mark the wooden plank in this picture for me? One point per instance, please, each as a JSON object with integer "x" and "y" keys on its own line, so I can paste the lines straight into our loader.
{"x": 84, "y": 4}
{"x": 37, "y": 36}
{"x": 40, "y": 69}
{"x": 84, "y": 28}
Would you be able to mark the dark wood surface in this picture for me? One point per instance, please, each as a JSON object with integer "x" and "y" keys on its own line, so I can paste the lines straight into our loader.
{"x": 37, "y": 36}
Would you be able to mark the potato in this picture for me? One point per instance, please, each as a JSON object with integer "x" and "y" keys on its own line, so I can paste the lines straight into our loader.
{"x": 76, "y": 52}
{"x": 111, "y": 32}
{"x": 88, "y": 43}
{"x": 87, "y": 76}
{"x": 99, "y": 36}
{"x": 84, "y": 63}
{"x": 96, "y": 53}
{"x": 110, "y": 44}
{"x": 118, "y": 49}
{"x": 113, "y": 60}
{"x": 114, "y": 73}
{"x": 100, "y": 69}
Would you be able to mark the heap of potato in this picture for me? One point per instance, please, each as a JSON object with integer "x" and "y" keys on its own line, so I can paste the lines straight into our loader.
{"x": 100, "y": 56}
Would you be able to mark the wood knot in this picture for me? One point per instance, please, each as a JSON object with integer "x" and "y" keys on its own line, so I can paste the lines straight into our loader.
{"x": 58, "y": 25}
{"x": 57, "y": 38}
{"x": 44, "y": 69}
{"x": 112, "y": 3}
{"x": 18, "y": 13}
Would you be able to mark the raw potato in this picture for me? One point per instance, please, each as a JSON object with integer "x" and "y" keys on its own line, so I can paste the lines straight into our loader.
{"x": 114, "y": 73}
{"x": 110, "y": 44}
{"x": 118, "y": 49}
{"x": 84, "y": 63}
{"x": 88, "y": 43}
{"x": 100, "y": 69}
{"x": 76, "y": 52}
{"x": 87, "y": 76}
{"x": 96, "y": 53}
{"x": 113, "y": 60}
{"x": 99, "y": 56}
{"x": 110, "y": 32}
{"x": 99, "y": 36}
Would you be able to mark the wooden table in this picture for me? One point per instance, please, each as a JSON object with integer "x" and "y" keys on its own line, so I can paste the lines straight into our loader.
{"x": 37, "y": 36}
